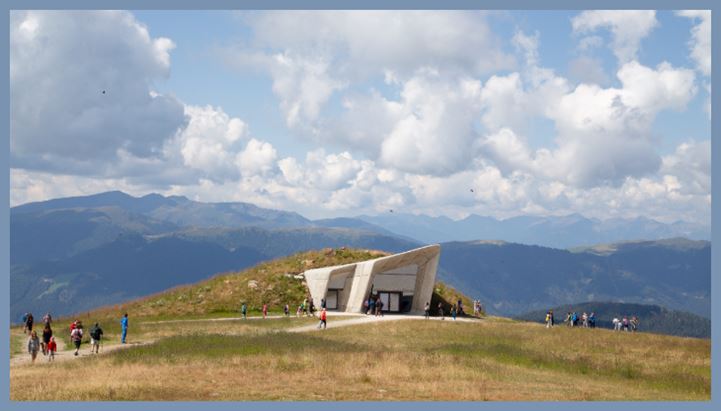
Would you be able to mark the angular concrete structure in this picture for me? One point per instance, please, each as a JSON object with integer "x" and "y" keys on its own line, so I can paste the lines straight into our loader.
{"x": 404, "y": 282}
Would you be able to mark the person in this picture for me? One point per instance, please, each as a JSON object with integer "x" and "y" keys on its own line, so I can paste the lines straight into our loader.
{"x": 569, "y": 322}
{"x": 286, "y": 310}
{"x": 584, "y": 320}
{"x": 306, "y": 309}
{"x": 460, "y": 307}
{"x": 454, "y": 310}
{"x": 52, "y": 349}
{"x": 624, "y": 323}
{"x": 323, "y": 317}
{"x": 616, "y": 324}
{"x": 47, "y": 319}
{"x": 379, "y": 306}
{"x": 372, "y": 305}
{"x": 96, "y": 334}
{"x": 365, "y": 306}
{"x": 548, "y": 319}
{"x": 77, "y": 338}
{"x": 574, "y": 319}
{"x": 244, "y": 310}
{"x": 29, "y": 323}
{"x": 25, "y": 323}
{"x": 322, "y": 303}
{"x": 592, "y": 320}
{"x": 299, "y": 310}
{"x": 33, "y": 345}
{"x": 265, "y": 310}
{"x": 47, "y": 335}
{"x": 427, "y": 310}
{"x": 311, "y": 308}
{"x": 440, "y": 311}
{"x": 124, "y": 328}
{"x": 634, "y": 323}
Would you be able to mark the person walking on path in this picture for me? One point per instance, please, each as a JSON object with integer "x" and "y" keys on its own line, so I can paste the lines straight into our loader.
{"x": 244, "y": 311}
{"x": 77, "y": 338}
{"x": 323, "y": 317}
{"x": 634, "y": 323}
{"x": 454, "y": 311}
{"x": 52, "y": 349}
{"x": 47, "y": 319}
{"x": 124, "y": 328}
{"x": 33, "y": 345}
{"x": 29, "y": 323}
{"x": 286, "y": 310}
{"x": 265, "y": 310}
{"x": 47, "y": 335}
{"x": 440, "y": 311}
{"x": 96, "y": 334}
{"x": 549, "y": 319}
{"x": 311, "y": 308}
{"x": 427, "y": 310}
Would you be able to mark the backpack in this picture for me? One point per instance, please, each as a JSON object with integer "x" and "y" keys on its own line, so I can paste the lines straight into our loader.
{"x": 95, "y": 333}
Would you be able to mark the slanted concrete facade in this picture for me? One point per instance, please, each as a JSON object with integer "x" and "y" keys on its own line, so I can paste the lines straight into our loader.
{"x": 403, "y": 281}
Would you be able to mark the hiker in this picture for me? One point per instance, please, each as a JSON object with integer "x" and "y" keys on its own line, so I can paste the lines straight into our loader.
{"x": 584, "y": 320}
{"x": 244, "y": 310}
{"x": 574, "y": 319}
{"x": 568, "y": 320}
{"x": 124, "y": 328}
{"x": 365, "y": 306}
{"x": 77, "y": 338}
{"x": 453, "y": 312}
{"x": 616, "y": 324}
{"x": 52, "y": 349}
{"x": 24, "y": 320}
{"x": 265, "y": 310}
{"x": 624, "y": 323}
{"x": 322, "y": 303}
{"x": 592, "y": 320}
{"x": 549, "y": 322}
{"x": 306, "y": 309}
{"x": 323, "y": 318}
{"x": 286, "y": 310}
{"x": 47, "y": 319}
{"x": 427, "y": 310}
{"x": 96, "y": 334}
{"x": 372, "y": 305}
{"x": 312, "y": 308}
{"x": 47, "y": 335}
{"x": 29, "y": 323}
{"x": 299, "y": 310}
{"x": 33, "y": 345}
{"x": 440, "y": 311}
{"x": 460, "y": 307}
{"x": 379, "y": 306}
{"x": 634, "y": 323}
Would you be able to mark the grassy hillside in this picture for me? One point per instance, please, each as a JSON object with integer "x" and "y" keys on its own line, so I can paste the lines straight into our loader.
{"x": 493, "y": 359}
{"x": 271, "y": 282}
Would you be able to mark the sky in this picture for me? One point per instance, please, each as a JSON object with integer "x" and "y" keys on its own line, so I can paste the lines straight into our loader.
{"x": 342, "y": 113}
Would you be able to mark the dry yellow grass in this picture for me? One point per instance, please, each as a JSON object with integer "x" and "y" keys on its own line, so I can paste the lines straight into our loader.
{"x": 404, "y": 360}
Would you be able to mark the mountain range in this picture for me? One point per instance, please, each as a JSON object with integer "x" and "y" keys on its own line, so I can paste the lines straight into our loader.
{"x": 73, "y": 254}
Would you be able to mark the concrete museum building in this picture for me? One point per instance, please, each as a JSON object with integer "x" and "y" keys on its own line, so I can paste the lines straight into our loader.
{"x": 404, "y": 282}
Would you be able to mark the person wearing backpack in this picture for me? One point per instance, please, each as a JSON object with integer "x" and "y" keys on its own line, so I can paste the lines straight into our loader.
{"x": 77, "y": 338}
{"x": 47, "y": 335}
{"x": 96, "y": 334}
{"x": 29, "y": 323}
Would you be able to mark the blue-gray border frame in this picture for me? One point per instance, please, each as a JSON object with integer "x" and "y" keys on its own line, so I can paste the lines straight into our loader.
{"x": 6, "y": 404}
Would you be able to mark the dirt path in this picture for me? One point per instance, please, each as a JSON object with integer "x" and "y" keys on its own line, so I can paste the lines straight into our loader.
{"x": 334, "y": 321}
{"x": 64, "y": 354}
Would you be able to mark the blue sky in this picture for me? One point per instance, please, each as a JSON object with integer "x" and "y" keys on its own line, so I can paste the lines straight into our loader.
{"x": 342, "y": 113}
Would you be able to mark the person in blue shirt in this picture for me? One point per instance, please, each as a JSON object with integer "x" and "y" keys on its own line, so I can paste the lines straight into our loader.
{"x": 124, "y": 325}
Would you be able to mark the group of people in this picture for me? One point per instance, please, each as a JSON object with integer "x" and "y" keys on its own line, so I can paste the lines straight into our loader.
{"x": 625, "y": 324}
{"x": 373, "y": 306}
{"x": 589, "y": 321}
{"x": 49, "y": 346}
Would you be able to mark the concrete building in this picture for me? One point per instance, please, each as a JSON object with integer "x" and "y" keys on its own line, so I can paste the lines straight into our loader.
{"x": 403, "y": 281}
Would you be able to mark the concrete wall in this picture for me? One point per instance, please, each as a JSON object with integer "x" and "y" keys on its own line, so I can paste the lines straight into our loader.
{"x": 412, "y": 272}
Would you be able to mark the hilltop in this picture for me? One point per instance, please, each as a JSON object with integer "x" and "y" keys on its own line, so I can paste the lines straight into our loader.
{"x": 276, "y": 283}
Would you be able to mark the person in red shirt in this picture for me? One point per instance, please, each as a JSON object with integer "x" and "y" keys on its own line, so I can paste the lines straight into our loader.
{"x": 265, "y": 310}
{"x": 323, "y": 317}
{"x": 52, "y": 348}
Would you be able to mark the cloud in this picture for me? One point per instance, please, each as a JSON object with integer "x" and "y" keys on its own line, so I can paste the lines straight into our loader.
{"x": 627, "y": 27}
{"x": 588, "y": 70}
{"x": 312, "y": 55}
{"x": 700, "y": 43}
{"x": 80, "y": 90}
